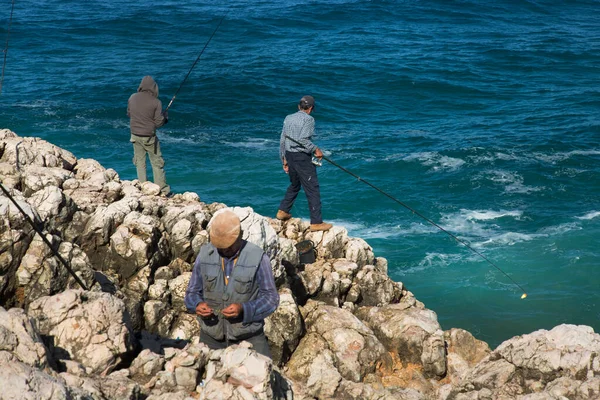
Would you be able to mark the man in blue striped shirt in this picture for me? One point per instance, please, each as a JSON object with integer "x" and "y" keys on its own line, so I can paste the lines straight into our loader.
{"x": 232, "y": 289}
{"x": 295, "y": 150}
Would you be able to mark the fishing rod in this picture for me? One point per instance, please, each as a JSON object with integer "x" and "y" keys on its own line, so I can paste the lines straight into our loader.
{"x": 39, "y": 232}
{"x": 195, "y": 62}
{"x": 524, "y": 295}
{"x": 6, "y": 47}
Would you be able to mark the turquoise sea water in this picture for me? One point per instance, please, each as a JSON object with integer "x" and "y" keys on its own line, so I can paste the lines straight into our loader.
{"x": 483, "y": 117}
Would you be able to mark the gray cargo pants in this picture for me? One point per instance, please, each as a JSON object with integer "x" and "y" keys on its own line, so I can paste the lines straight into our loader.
{"x": 149, "y": 145}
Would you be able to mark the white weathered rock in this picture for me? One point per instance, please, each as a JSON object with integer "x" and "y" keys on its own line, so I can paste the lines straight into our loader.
{"x": 288, "y": 251}
{"x": 11, "y": 176}
{"x": 414, "y": 334}
{"x": 560, "y": 363}
{"x": 147, "y": 364}
{"x": 150, "y": 189}
{"x": 135, "y": 245}
{"x": 239, "y": 371}
{"x": 21, "y": 381}
{"x": 158, "y": 313}
{"x": 375, "y": 287}
{"x": 359, "y": 251}
{"x": 19, "y": 337}
{"x": 184, "y": 326}
{"x": 104, "y": 221}
{"x": 331, "y": 243}
{"x": 116, "y": 386}
{"x": 355, "y": 347}
{"x": 284, "y": 327}
{"x": 159, "y": 290}
{"x": 54, "y": 208}
{"x": 15, "y": 237}
{"x": 41, "y": 273}
{"x": 37, "y": 178}
{"x": 32, "y": 151}
{"x": 178, "y": 287}
{"x": 464, "y": 352}
{"x": 91, "y": 327}
{"x": 86, "y": 167}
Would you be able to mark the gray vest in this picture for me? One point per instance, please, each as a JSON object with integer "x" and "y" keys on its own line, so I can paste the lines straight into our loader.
{"x": 242, "y": 287}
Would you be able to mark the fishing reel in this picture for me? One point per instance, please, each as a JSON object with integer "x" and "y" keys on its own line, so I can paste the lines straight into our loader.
{"x": 316, "y": 161}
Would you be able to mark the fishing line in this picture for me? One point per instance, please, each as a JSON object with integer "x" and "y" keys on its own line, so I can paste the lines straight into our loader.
{"x": 524, "y": 295}
{"x": 6, "y": 47}
{"x": 39, "y": 232}
{"x": 195, "y": 62}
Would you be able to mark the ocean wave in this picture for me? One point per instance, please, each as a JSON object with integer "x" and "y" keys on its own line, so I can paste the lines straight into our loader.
{"x": 465, "y": 222}
{"x": 172, "y": 137}
{"x": 432, "y": 260}
{"x": 560, "y": 229}
{"x": 436, "y": 161}
{"x": 507, "y": 239}
{"x": 562, "y": 156}
{"x": 513, "y": 181}
{"x": 254, "y": 143}
{"x": 590, "y": 215}
{"x": 384, "y": 231}
{"x": 487, "y": 215}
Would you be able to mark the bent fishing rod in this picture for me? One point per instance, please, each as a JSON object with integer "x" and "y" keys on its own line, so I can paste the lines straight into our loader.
{"x": 6, "y": 47}
{"x": 195, "y": 62}
{"x": 524, "y": 295}
{"x": 39, "y": 232}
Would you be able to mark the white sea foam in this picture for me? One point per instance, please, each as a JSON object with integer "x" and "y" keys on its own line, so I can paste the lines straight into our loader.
{"x": 561, "y": 156}
{"x": 468, "y": 221}
{"x": 508, "y": 239}
{"x": 119, "y": 124}
{"x": 521, "y": 188}
{"x": 254, "y": 143}
{"x": 38, "y": 104}
{"x": 505, "y": 177}
{"x": 488, "y": 215}
{"x": 433, "y": 260}
{"x": 384, "y": 231}
{"x": 560, "y": 229}
{"x": 590, "y": 215}
{"x": 436, "y": 161}
{"x": 170, "y": 137}
{"x": 513, "y": 182}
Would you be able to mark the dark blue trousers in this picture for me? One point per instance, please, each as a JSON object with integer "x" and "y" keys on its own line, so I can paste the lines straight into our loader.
{"x": 303, "y": 174}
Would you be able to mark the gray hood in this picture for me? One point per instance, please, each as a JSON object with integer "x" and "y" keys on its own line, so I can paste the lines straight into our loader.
{"x": 148, "y": 85}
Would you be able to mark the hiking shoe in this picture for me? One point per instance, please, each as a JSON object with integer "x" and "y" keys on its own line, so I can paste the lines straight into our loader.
{"x": 283, "y": 216}
{"x": 323, "y": 226}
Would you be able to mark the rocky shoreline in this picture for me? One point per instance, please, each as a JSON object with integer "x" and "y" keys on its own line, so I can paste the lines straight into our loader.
{"x": 343, "y": 330}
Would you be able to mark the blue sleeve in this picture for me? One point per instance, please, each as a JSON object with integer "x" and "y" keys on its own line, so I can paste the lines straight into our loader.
{"x": 268, "y": 298}
{"x": 193, "y": 294}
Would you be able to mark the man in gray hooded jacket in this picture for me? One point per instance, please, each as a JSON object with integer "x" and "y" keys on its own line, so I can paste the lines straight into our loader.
{"x": 145, "y": 112}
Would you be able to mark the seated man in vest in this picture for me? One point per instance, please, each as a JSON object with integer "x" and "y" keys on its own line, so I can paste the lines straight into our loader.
{"x": 232, "y": 289}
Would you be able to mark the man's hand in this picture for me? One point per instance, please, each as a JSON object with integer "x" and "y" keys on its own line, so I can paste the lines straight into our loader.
{"x": 165, "y": 115}
{"x": 204, "y": 310}
{"x": 286, "y": 167}
{"x": 233, "y": 310}
{"x": 318, "y": 153}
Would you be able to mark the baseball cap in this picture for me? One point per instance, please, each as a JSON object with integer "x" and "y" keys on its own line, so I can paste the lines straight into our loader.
{"x": 307, "y": 101}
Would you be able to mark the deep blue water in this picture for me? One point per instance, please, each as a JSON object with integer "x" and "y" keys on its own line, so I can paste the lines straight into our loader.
{"x": 482, "y": 117}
